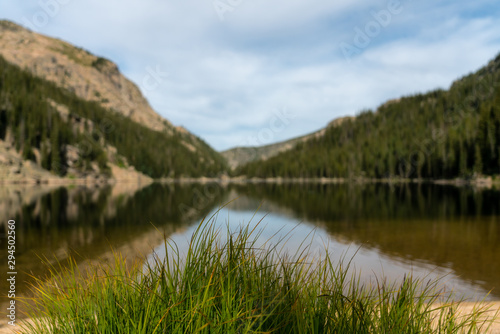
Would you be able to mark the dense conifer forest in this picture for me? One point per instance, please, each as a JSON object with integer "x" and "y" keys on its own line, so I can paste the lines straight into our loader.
{"x": 31, "y": 117}
{"x": 440, "y": 134}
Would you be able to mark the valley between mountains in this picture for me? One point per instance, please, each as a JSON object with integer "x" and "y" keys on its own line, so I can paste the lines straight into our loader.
{"x": 68, "y": 116}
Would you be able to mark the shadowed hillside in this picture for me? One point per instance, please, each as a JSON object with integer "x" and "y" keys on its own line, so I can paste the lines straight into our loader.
{"x": 440, "y": 134}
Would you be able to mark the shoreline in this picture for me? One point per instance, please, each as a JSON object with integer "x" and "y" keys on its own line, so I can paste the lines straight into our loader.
{"x": 487, "y": 182}
{"x": 94, "y": 180}
{"x": 491, "y": 309}
{"x": 118, "y": 176}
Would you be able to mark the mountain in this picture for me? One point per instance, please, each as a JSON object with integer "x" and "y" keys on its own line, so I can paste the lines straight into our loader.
{"x": 240, "y": 156}
{"x": 67, "y": 111}
{"x": 90, "y": 77}
{"x": 442, "y": 134}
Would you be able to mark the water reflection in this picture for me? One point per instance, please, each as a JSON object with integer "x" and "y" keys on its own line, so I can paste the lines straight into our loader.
{"x": 444, "y": 226}
{"x": 88, "y": 223}
{"x": 394, "y": 228}
{"x": 370, "y": 263}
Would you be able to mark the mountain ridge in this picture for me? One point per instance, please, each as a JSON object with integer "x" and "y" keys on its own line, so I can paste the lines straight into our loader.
{"x": 441, "y": 134}
{"x": 101, "y": 117}
{"x": 239, "y": 156}
{"x": 90, "y": 77}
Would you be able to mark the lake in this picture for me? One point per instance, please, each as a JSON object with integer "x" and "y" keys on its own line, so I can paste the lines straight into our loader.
{"x": 388, "y": 230}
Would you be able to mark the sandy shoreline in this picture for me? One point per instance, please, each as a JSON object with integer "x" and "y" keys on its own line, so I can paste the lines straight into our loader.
{"x": 493, "y": 308}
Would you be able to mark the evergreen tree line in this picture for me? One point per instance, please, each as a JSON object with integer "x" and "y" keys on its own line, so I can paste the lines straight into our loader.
{"x": 26, "y": 113}
{"x": 35, "y": 124}
{"x": 441, "y": 134}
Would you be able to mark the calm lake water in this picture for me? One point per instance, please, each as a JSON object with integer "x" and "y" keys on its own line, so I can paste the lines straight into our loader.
{"x": 389, "y": 230}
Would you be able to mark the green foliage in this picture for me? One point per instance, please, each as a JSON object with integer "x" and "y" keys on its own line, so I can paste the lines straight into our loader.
{"x": 441, "y": 134}
{"x": 35, "y": 123}
{"x": 234, "y": 286}
{"x": 76, "y": 54}
{"x": 55, "y": 148}
{"x": 100, "y": 62}
{"x": 30, "y": 118}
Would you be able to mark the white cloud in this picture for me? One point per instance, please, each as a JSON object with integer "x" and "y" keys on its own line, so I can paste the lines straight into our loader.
{"x": 227, "y": 78}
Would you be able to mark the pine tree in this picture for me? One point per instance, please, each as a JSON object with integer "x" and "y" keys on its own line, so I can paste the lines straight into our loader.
{"x": 55, "y": 156}
{"x": 463, "y": 160}
{"x": 478, "y": 161}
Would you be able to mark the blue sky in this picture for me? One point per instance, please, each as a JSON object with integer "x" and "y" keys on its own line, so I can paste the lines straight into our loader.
{"x": 253, "y": 72}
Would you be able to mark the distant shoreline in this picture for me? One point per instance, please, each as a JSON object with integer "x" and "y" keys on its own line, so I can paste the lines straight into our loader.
{"x": 485, "y": 182}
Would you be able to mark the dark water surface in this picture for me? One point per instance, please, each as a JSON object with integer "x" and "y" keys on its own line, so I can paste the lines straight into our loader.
{"x": 429, "y": 230}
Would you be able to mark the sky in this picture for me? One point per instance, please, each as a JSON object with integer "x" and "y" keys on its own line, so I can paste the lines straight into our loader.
{"x": 255, "y": 72}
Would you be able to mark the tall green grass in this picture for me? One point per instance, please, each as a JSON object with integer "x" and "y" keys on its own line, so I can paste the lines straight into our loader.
{"x": 229, "y": 285}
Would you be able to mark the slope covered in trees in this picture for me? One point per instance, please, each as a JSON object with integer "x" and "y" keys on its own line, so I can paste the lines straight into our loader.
{"x": 441, "y": 134}
{"x": 45, "y": 122}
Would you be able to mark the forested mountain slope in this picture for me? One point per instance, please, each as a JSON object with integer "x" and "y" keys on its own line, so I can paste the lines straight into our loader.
{"x": 46, "y": 119}
{"x": 90, "y": 77}
{"x": 440, "y": 134}
{"x": 239, "y": 156}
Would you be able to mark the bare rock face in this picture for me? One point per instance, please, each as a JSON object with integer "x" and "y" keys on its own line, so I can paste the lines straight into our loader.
{"x": 13, "y": 169}
{"x": 90, "y": 77}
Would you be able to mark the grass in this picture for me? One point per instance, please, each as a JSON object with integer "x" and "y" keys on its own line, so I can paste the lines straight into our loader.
{"x": 229, "y": 285}
{"x": 78, "y": 55}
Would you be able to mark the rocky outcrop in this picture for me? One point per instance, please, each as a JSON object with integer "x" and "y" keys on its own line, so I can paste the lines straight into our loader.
{"x": 13, "y": 169}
